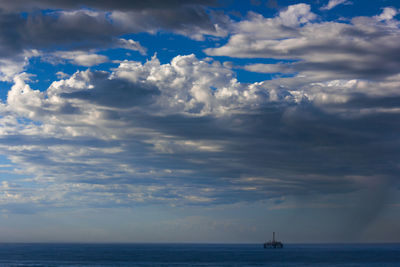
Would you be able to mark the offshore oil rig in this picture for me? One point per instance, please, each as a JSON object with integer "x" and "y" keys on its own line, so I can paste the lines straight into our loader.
{"x": 274, "y": 243}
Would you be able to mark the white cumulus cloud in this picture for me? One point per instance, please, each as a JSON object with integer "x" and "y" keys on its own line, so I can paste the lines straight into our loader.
{"x": 387, "y": 14}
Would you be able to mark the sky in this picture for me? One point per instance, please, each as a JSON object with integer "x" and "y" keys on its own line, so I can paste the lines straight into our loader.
{"x": 199, "y": 121}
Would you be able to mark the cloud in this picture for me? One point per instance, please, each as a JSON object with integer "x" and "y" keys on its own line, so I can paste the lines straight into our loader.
{"x": 71, "y": 26}
{"x": 61, "y": 75}
{"x": 362, "y": 49}
{"x": 333, "y": 3}
{"x": 90, "y": 58}
{"x": 75, "y": 32}
{"x": 19, "y": 5}
{"x": 270, "y": 68}
{"x": 191, "y": 21}
{"x": 282, "y": 26}
{"x": 188, "y": 133}
{"x": 10, "y": 67}
{"x": 44, "y": 31}
{"x": 79, "y": 58}
{"x": 387, "y": 14}
{"x": 131, "y": 45}
{"x": 296, "y": 15}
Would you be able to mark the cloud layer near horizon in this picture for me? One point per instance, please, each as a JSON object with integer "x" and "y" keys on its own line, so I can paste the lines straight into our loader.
{"x": 164, "y": 134}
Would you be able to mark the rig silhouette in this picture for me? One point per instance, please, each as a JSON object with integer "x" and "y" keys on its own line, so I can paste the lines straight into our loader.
{"x": 274, "y": 243}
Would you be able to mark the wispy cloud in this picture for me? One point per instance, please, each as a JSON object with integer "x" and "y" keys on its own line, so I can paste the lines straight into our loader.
{"x": 78, "y": 58}
{"x": 333, "y": 3}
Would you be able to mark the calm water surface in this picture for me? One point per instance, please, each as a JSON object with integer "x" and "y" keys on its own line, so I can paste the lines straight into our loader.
{"x": 198, "y": 255}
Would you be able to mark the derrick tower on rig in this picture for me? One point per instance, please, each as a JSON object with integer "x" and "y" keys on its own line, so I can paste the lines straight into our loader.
{"x": 274, "y": 243}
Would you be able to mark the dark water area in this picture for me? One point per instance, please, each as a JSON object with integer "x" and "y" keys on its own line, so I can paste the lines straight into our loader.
{"x": 198, "y": 255}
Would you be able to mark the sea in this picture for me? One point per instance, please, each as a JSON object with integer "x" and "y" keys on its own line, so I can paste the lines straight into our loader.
{"x": 198, "y": 255}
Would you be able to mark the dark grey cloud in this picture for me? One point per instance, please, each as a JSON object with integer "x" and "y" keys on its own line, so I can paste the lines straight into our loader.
{"x": 72, "y": 28}
{"x": 122, "y": 95}
{"x": 358, "y": 101}
{"x": 11, "y": 40}
{"x": 280, "y": 151}
{"x": 19, "y": 5}
{"x": 40, "y": 31}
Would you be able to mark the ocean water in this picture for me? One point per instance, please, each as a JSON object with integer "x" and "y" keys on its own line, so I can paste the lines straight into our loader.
{"x": 198, "y": 255}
